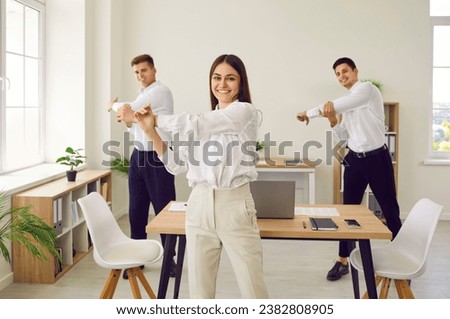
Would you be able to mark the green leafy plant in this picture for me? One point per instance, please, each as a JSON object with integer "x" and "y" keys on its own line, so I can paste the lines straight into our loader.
{"x": 259, "y": 145}
{"x": 20, "y": 226}
{"x": 120, "y": 165}
{"x": 376, "y": 83}
{"x": 73, "y": 158}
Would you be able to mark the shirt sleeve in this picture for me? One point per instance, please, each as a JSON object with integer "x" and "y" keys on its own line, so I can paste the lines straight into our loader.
{"x": 118, "y": 105}
{"x": 357, "y": 97}
{"x": 159, "y": 98}
{"x": 174, "y": 160}
{"x": 230, "y": 120}
{"x": 315, "y": 112}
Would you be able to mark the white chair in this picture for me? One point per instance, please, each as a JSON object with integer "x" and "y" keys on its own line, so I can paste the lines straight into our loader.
{"x": 114, "y": 250}
{"x": 404, "y": 258}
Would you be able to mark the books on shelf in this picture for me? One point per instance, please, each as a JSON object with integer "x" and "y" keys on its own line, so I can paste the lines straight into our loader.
{"x": 57, "y": 215}
{"x": 74, "y": 209}
{"x": 58, "y": 263}
{"x": 390, "y": 143}
{"x": 104, "y": 190}
{"x": 374, "y": 206}
{"x": 322, "y": 223}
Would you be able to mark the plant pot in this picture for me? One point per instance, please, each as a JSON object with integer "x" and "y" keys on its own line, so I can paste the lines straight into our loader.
{"x": 71, "y": 175}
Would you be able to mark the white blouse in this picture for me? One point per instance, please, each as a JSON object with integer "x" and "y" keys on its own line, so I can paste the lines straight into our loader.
{"x": 221, "y": 149}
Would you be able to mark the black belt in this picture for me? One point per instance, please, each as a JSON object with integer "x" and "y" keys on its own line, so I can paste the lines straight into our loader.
{"x": 369, "y": 153}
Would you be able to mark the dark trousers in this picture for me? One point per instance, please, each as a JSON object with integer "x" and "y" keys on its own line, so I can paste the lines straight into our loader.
{"x": 148, "y": 182}
{"x": 377, "y": 172}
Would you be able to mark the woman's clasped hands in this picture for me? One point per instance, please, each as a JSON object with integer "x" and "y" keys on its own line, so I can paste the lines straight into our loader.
{"x": 145, "y": 118}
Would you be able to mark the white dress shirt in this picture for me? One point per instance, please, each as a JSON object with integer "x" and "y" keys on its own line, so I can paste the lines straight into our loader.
{"x": 362, "y": 125}
{"x": 161, "y": 99}
{"x": 222, "y": 153}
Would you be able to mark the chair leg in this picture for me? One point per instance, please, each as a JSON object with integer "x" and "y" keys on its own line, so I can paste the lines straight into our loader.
{"x": 145, "y": 283}
{"x": 377, "y": 282}
{"x": 111, "y": 284}
{"x": 133, "y": 283}
{"x": 133, "y": 273}
{"x": 385, "y": 288}
{"x": 403, "y": 289}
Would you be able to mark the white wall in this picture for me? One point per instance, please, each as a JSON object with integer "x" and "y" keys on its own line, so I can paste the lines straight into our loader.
{"x": 288, "y": 48}
{"x": 103, "y": 38}
{"x": 83, "y": 47}
{"x": 65, "y": 76}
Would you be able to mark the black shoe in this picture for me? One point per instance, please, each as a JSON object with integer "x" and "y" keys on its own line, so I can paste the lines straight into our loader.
{"x": 125, "y": 273}
{"x": 173, "y": 269}
{"x": 338, "y": 270}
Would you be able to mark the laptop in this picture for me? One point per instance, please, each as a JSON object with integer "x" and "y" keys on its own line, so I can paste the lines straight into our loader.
{"x": 274, "y": 199}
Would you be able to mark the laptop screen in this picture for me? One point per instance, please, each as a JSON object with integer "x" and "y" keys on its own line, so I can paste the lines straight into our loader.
{"x": 274, "y": 199}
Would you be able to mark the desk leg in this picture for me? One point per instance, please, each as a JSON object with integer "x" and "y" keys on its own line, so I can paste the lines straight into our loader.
{"x": 355, "y": 278}
{"x": 169, "y": 246}
{"x": 369, "y": 273}
{"x": 180, "y": 260}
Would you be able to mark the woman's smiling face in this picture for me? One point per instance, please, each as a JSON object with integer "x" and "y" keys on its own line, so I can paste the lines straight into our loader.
{"x": 225, "y": 84}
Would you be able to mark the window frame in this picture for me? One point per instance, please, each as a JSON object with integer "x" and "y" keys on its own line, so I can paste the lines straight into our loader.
{"x": 38, "y": 5}
{"x": 433, "y": 154}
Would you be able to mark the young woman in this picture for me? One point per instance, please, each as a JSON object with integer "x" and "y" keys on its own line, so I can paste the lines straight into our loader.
{"x": 219, "y": 163}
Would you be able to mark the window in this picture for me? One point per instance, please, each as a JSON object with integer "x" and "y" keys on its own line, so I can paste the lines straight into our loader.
{"x": 440, "y": 18}
{"x": 21, "y": 76}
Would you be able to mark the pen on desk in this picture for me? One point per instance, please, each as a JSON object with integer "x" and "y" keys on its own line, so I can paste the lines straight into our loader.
{"x": 304, "y": 224}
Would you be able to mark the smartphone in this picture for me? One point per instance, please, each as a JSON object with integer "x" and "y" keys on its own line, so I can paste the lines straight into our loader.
{"x": 352, "y": 223}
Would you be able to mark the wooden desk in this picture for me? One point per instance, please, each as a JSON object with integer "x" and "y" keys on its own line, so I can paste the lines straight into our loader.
{"x": 173, "y": 225}
{"x": 304, "y": 176}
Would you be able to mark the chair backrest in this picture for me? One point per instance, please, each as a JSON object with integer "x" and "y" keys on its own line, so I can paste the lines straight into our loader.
{"x": 103, "y": 228}
{"x": 416, "y": 233}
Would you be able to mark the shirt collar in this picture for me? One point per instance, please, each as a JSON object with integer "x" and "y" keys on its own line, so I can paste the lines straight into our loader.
{"x": 355, "y": 85}
{"x": 218, "y": 108}
{"x": 148, "y": 87}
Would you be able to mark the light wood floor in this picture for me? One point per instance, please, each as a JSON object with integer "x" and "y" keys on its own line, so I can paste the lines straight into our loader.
{"x": 293, "y": 269}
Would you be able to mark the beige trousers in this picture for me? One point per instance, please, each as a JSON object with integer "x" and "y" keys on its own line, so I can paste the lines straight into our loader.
{"x": 226, "y": 218}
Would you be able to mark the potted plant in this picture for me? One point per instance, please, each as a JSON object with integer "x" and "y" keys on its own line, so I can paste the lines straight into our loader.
{"x": 22, "y": 227}
{"x": 259, "y": 146}
{"x": 73, "y": 158}
{"x": 120, "y": 165}
{"x": 260, "y": 153}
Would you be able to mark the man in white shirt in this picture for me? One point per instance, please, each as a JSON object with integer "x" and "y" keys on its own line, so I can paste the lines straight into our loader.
{"x": 368, "y": 161}
{"x": 148, "y": 180}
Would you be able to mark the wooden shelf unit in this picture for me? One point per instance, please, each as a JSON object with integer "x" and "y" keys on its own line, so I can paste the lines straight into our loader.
{"x": 391, "y": 113}
{"x": 55, "y": 202}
